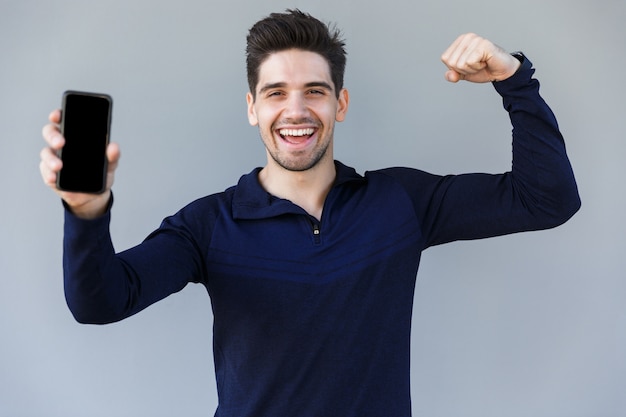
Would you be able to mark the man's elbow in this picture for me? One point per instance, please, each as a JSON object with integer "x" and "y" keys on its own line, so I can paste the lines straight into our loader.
{"x": 564, "y": 208}
{"x": 89, "y": 312}
{"x": 84, "y": 316}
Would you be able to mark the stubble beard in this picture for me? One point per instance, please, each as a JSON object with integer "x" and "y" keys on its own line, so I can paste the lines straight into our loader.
{"x": 296, "y": 162}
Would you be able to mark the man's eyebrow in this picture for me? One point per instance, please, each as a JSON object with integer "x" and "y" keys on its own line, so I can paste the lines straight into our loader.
{"x": 271, "y": 86}
{"x": 322, "y": 84}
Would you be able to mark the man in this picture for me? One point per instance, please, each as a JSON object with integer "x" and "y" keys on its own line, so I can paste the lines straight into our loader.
{"x": 310, "y": 266}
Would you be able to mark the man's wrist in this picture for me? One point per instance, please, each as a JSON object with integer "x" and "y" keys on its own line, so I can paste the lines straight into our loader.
{"x": 92, "y": 209}
{"x": 524, "y": 64}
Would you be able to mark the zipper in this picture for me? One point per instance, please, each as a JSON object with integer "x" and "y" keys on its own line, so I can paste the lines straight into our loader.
{"x": 316, "y": 232}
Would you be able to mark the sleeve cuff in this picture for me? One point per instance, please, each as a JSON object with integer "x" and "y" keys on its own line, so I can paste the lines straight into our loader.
{"x": 522, "y": 76}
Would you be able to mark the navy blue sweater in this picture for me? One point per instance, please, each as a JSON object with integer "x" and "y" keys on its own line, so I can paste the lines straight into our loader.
{"x": 313, "y": 318}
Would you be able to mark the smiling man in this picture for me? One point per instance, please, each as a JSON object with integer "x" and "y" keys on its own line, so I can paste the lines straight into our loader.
{"x": 295, "y": 104}
{"x": 309, "y": 265}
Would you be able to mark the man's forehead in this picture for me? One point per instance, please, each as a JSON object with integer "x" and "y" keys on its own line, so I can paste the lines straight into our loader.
{"x": 294, "y": 66}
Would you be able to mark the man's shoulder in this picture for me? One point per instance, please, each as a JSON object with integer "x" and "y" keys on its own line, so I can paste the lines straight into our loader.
{"x": 400, "y": 173}
{"x": 212, "y": 202}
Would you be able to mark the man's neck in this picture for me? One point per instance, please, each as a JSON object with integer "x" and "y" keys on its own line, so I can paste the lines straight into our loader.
{"x": 307, "y": 189}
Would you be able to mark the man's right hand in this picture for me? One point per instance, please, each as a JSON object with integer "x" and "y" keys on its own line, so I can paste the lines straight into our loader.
{"x": 87, "y": 206}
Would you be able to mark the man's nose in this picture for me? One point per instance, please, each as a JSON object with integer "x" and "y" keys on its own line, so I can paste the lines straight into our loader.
{"x": 296, "y": 107}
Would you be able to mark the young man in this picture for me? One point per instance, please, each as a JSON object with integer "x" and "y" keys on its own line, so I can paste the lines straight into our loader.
{"x": 310, "y": 266}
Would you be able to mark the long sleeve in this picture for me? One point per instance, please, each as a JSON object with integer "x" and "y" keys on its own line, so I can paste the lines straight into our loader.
{"x": 540, "y": 163}
{"x": 103, "y": 287}
{"x": 539, "y": 192}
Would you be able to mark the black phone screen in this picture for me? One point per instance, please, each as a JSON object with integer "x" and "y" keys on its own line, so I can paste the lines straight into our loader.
{"x": 85, "y": 124}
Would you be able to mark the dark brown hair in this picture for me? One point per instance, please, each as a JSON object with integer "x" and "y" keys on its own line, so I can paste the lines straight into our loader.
{"x": 294, "y": 30}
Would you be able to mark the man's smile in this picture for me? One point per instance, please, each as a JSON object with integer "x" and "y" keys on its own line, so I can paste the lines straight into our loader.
{"x": 296, "y": 132}
{"x": 297, "y": 136}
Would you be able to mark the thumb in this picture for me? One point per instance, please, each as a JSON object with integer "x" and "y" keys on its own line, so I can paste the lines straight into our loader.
{"x": 113, "y": 156}
{"x": 113, "y": 152}
{"x": 453, "y": 76}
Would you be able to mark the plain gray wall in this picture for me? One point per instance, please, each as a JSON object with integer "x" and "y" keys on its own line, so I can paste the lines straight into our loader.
{"x": 525, "y": 325}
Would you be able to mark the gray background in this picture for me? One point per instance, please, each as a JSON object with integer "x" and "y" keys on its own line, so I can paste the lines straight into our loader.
{"x": 526, "y": 325}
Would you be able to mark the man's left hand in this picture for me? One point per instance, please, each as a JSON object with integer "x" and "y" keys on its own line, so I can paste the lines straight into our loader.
{"x": 478, "y": 60}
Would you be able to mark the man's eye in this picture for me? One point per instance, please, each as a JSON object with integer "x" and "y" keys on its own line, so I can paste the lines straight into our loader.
{"x": 274, "y": 94}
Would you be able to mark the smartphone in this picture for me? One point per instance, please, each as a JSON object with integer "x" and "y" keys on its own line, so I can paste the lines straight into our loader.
{"x": 86, "y": 125}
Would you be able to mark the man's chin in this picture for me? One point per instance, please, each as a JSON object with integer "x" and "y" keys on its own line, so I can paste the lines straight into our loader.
{"x": 299, "y": 165}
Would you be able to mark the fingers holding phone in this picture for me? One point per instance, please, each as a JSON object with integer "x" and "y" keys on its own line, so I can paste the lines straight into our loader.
{"x": 50, "y": 163}
{"x": 79, "y": 162}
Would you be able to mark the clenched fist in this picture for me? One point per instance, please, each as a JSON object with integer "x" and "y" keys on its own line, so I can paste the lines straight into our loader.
{"x": 475, "y": 59}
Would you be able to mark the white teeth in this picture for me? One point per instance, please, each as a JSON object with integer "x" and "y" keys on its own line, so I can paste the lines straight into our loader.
{"x": 296, "y": 132}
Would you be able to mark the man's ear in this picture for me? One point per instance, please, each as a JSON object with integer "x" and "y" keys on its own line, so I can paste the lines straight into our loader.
{"x": 343, "y": 103}
{"x": 252, "y": 119}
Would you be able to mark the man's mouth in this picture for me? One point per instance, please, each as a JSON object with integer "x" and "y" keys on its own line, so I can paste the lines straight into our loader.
{"x": 296, "y": 136}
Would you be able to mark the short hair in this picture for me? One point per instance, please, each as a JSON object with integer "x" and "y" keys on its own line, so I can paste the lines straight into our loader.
{"x": 294, "y": 30}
